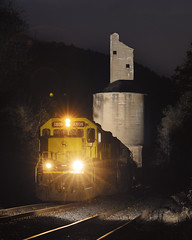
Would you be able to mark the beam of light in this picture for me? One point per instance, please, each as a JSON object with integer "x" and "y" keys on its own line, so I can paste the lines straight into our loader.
{"x": 48, "y": 165}
{"x": 67, "y": 122}
{"x": 51, "y": 94}
{"x": 77, "y": 166}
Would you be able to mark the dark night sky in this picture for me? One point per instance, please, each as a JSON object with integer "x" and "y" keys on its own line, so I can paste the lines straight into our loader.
{"x": 159, "y": 31}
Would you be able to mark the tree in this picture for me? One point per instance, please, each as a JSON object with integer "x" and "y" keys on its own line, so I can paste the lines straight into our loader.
{"x": 183, "y": 74}
{"x": 13, "y": 48}
{"x": 175, "y": 131}
{"x": 11, "y": 22}
{"x": 20, "y": 116}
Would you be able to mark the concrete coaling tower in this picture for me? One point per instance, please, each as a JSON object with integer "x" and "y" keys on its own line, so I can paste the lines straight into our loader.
{"x": 122, "y": 113}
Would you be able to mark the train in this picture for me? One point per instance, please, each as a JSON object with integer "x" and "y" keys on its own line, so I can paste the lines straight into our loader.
{"x": 78, "y": 161}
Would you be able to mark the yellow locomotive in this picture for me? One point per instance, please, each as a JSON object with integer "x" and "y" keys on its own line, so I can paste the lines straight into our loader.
{"x": 78, "y": 161}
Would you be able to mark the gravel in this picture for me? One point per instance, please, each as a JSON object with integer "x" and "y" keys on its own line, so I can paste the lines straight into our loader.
{"x": 157, "y": 213}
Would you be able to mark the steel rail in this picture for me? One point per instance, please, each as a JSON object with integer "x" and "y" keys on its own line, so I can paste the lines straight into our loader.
{"x": 118, "y": 228}
{"x": 20, "y": 208}
{"x": 36, "y": 212}
{"x": 62, "y": 227}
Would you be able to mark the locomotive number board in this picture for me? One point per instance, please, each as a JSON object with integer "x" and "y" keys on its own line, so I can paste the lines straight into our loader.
{"x": 78, "y": 124}
{"x": 59, "y": 124}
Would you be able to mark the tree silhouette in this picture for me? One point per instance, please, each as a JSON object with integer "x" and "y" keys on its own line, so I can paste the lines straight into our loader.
{"x": 13, "y": 46}
{"x": 175, "y": 131}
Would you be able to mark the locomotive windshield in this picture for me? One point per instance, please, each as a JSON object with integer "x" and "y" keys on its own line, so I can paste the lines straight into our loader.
{"x": 60, "y": 132}
{"x": 76, "y": 133}
{"x": 63, "y": 132}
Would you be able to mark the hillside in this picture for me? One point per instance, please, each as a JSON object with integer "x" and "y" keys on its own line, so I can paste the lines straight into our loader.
{"x": 74, "y": 74}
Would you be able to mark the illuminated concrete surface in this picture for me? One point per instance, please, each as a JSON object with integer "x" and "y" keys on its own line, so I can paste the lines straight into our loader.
{"x": 121, "y": 60}
{"x": 123, "y": 115}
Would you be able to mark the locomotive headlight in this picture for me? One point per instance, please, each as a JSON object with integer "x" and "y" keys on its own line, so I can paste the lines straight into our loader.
{"x": 67, "y": 122}
{"x": 48, "y": 165}
{"x": 77, "y": 166}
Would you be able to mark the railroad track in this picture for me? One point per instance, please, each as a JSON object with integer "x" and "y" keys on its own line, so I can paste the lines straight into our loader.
{"x": 85, "y": 220}
{"x": 115, "y": 230}
{"x": 31, "y": 210}
{"x": 68, "y": 230}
